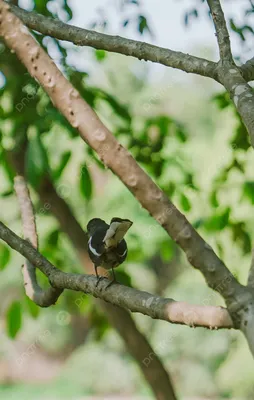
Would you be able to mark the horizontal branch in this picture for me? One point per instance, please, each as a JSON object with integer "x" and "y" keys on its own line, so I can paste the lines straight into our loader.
{"x": 116, "y": 157}
{"x": 43, "y": 298}
{"x": 119, "y": 295}
{"x": 116, "y": 44}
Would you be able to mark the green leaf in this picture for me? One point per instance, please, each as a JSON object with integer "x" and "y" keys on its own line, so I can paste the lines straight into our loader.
{"x": 142, "y": 24}
{"x": 100, "y": 55}
{"x": 53, "y": 237}
{"x": 36, "y": 160}
{"x": 185, "y": 203}
{"x": 213, "y": 199}
{"x": 33, "y": 309}
{"x": 167, "y": 250}
{"x": 7, "y": 193}
{"x": 241, "y": 236}
{"x": 248, "y": 191}
{"x": 13, "y": 319}
{"x": 85, "y": 183}
{"x": 5, "y": 256}
{"x": 217, "y": 222}
{"x": 63, "y": 163}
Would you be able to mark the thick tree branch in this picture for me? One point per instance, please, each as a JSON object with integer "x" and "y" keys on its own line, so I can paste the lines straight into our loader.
{"x": 116, "y": 44}
{"x": 43, "y": 298}
{"x": 119, "y": 295}
{"x": 221, "y": 30}
{"x": 91, "y": 129}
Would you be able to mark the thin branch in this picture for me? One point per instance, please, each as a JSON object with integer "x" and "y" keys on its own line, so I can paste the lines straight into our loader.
{"x": 119, "y": 295}
{"x": 117, "y": 158}
{"x": 251, "y": 272}
{"x": 116, "y": 44}
{"x": 221, "y": 30}
{"x": 43, "y": 298}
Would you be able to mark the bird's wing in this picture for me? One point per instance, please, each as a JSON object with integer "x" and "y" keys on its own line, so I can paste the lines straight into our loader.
{"x": 121, "y": 250}
{"x": 95, "y": 243}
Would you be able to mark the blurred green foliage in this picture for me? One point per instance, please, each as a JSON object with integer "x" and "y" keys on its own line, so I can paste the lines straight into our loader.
{"x": 198, "y": 153}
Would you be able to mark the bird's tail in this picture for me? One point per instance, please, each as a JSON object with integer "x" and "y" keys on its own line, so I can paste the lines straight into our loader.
{"x": 116, "y": 231}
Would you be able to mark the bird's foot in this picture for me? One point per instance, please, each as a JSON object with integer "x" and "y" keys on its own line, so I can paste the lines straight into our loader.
{"x": 99, "y": 278}
{"x": 110, "y": 283}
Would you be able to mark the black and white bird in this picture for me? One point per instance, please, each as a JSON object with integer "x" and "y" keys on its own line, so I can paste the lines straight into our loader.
{"x": 106, "y": 245}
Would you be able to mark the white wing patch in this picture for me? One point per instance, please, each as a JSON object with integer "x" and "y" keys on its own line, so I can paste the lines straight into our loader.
{"x": 92, "y": 249}
{"x": 122, "y": 255}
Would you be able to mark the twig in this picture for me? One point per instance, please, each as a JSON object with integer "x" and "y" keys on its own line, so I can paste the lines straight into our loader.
{"x": 43, "y": 298}
{"x": 119, "y": 295}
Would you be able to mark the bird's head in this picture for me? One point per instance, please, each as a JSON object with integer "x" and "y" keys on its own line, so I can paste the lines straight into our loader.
{"x": 94, "y": 224}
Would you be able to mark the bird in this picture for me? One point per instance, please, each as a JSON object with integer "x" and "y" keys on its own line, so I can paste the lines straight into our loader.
{"x": 106, "y": 245}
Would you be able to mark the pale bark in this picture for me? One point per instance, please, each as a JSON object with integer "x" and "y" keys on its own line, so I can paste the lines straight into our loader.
{"x": 43, "y": 298}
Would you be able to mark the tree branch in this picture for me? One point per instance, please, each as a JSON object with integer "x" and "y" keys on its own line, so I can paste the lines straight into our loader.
{"x": 232, "y": 77}
{"x": 43, "y": 298}
{"x": 116, "y": 44}
{"x": 119, "y": 295}
{"x": 251, "y": 272}
{"x": 247, "y": 70}
{"x": 221, "y": 30}
{"x": 93, "y": 132}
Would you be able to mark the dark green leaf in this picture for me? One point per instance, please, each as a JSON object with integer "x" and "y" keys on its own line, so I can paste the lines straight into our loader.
{"x": 213, "y": 199}
{"x": 142, "y": 25}
{"x": 36, "y": 160}
{"x": 5, "y": 255}
{"x": 217, "y": 222}
{"x": 85, "y": 182}
{"x": 14, "y": 319}
{"x": 184, "y": 201}
{"x": 63, "y": 162}
{"x": 248, "y": 191}
{"x": 53, "y": 237}
{"x": 7, "y": 193}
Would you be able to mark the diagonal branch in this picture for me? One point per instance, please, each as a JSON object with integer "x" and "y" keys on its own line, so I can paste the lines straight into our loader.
{"x": 116, "y": 44}
{"x": 43, "y": 298}
{"x": 117, "y": 158}
{"x": 119, "y": 295}
{"x": 221, "y": 30}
